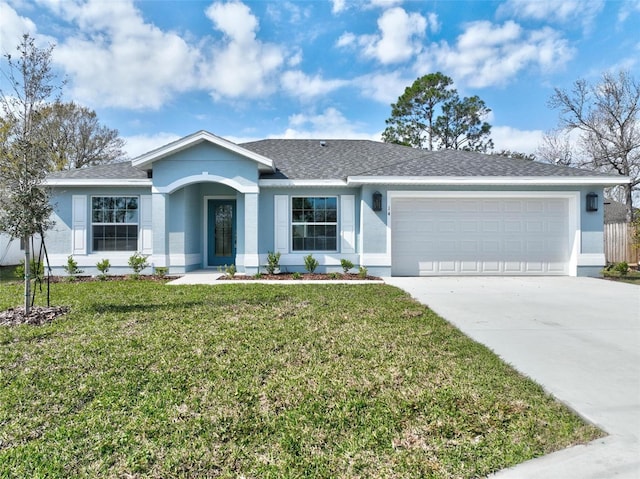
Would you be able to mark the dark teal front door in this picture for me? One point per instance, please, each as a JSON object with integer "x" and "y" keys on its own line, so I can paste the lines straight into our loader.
{"x": 221, "y": 235}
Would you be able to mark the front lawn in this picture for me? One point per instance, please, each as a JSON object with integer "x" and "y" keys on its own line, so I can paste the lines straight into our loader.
{"x": 259, "y": 381}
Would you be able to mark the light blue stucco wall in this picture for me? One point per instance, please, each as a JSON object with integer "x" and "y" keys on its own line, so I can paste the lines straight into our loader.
{"x": 58, "y": 239}
{"x": 204, "y": 158}
{"x": 266, "y": 205}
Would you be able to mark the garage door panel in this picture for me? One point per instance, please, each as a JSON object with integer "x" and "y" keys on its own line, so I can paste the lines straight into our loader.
{"x": 435, "y": 236}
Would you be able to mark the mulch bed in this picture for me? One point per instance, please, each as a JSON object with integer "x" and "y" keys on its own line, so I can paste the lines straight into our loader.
{"x": 303, "y": 277}
{"x": 37, "y": 316}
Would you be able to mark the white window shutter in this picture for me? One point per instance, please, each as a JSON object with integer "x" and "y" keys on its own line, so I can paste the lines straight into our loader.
{"x": 347, "y": 224}
{"x": 79, "y": 224}
{"x": 146, "y": 225}
{"x": 281, "y": 223}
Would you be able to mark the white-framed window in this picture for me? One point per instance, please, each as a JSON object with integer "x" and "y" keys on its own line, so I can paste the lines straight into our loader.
{"x": 314, "y": 223}
{"x": 114, "y": 223}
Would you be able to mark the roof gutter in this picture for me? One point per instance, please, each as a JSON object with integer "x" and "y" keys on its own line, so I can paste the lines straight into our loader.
{"x": 98, "y": 182}
{"x": 489, "y": 180}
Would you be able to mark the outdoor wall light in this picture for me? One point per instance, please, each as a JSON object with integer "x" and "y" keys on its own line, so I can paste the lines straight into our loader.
{"x": 592, "y": 202}
{"x": 377, "y": 201}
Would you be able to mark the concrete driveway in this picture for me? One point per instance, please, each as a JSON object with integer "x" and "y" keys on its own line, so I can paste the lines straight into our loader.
{"x": 577, "y": 337}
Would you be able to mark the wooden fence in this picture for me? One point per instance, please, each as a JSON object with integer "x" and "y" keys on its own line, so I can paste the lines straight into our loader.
{"x": 618, "y": 243}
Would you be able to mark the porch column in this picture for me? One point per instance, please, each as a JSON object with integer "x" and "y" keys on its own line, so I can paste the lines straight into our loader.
{"x": 251, "y": 257}
{"x": 159, "y": 204}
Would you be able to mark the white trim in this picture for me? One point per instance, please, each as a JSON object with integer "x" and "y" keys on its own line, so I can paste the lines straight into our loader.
{"x": 347, "y": 224}
{"x": 376, "y": 259}
{"x": 592, "y": 259}
{"x": 194, "y": 139}
{"x": 574, "y": 239}
{"x": 281, "y": 226}
{"x": 145, "y": 241}
{"x": 330, "y": 258}
{"x": 190, "y": 259}
{"x": 79, "y": 224}
{"x": 251, "y": 260}
{"x": 97, "y": 182}
{"x": 205, "y": 177}
{"x": 301, "y": 183}
{"x": 205, "y": 222}
{"x": 488, "y": 180}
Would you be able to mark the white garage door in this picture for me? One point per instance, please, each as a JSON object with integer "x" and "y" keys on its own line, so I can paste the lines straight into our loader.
{"x": 483, "y": 236}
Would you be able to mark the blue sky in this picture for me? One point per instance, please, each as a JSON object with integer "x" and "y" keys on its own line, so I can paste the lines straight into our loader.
{"x": 160, "y": 69}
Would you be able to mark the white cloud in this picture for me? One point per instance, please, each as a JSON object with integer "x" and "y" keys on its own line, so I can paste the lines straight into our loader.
{"x": 337, "y": 6}
{"x": 383, "y": 87}
{"x": 508, "y": 138}
{"x": 399, "y": 38}
{"x": 331, "y": 124}
{"x": 385, "y": 3}
{"x": 582, "y": 12}
{"x": 627, "y": 8}
{"x": 12, "y": 27}
{"x": 241, "y": 65}
{"x": 487, "y": 54}
{"x": 137, "y": 145}
{"x": 116, "y": 59}
{"x": 302, "y": 85}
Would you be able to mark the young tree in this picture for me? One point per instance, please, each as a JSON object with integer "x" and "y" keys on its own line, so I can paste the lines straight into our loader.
{"x": 607, "y": 116}
{"x": 430, "y": 114}
{"x": 74, "y": 138}
{"x": 24, "y": 203}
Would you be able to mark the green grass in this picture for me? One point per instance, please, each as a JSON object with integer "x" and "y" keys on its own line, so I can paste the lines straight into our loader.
{"x": 632, "y": 277}
{"x": 141, "y": 379}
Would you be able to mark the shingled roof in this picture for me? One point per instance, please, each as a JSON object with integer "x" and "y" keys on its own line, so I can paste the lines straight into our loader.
{"x": 122, "y": 170}
{"x": 341, "y": 159}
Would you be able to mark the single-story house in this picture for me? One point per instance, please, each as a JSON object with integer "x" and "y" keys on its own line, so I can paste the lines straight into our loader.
{"x": 204, "y": 202}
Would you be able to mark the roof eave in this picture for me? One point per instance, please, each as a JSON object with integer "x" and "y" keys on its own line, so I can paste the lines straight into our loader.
{"x": 53, "y": 182}
{"x": 490, "y": 180}
{"x": 144, "y": 161}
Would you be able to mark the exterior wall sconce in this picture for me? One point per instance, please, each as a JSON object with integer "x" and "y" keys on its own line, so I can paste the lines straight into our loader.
{"x": 377, "y": 201}
{"x": 592, "y": 202}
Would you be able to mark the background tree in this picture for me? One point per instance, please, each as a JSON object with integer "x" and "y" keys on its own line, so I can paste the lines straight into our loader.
{"x": 430, "y": 115}
{"x": 460, "y": 127}
{"x": 24, "y": 202}
{"x": 515, "y": 154}
{"x": 74, "y": 138}
{"x": 606, "y": 115}
{"x": 556, "y": 149}
{"x": 413, "y": 116}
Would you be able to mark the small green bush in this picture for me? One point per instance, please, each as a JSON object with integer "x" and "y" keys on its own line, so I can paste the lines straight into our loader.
{"x": 137, "y": 262}
{"x": 230, "y": 270}
{"x": 103, "y": 266}
{"x": 310, "y": 263}
{"x": 334, "y": 275}
{"x": 273, "y": 262}
{"x": 346, "y": 265}
{"x": 161, "y": 271}
{"x": 362, "y": 272}
{"x": 622, "y": 268}
{"x": 258, "y": 275}
{"x": 296, "y": 275}
{"x": 71, "y": 268}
